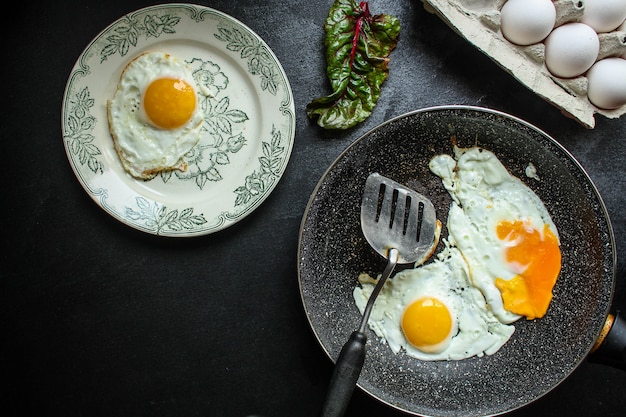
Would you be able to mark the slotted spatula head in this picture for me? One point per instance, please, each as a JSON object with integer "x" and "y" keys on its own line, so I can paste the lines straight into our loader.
{"x": 394, "y": 216}
{"x": 400, "y": 224}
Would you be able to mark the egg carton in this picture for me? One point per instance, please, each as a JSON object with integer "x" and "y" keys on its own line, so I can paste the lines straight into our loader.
{"x": 478, "y": 21}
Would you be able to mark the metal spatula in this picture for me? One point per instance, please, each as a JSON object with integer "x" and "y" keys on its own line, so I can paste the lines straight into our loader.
{"x": 400, "y": 224}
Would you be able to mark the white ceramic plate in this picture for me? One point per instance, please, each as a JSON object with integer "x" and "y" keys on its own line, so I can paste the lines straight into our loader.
{"x": 248, "y": 130}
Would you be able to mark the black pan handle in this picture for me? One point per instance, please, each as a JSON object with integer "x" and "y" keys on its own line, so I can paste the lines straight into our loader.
{"x": 345, "y": 375}
{"x": 610, "y": 349}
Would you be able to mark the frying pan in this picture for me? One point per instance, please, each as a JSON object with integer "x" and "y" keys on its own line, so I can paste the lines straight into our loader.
{"x": 541, "y": 353}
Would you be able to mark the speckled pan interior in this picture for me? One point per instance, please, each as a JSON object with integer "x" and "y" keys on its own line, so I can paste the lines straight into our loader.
{"x": 541, "y": 353}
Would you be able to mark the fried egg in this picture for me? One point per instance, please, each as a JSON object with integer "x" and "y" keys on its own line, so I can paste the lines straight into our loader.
{"x": 433, "y": 312}
{"x": 501, "y": 261}
{"x": 154, "y": 115}
{"x": 503, "y": 231}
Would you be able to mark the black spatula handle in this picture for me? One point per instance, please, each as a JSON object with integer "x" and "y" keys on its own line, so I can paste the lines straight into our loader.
{"x": 345, "y": 375}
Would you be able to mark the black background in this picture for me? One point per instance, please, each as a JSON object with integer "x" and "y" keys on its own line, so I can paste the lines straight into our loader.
{"x": 102, "y": 320}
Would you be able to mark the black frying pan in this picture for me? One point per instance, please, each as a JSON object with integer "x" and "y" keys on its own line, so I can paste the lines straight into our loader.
{"x": 541, "y": 353}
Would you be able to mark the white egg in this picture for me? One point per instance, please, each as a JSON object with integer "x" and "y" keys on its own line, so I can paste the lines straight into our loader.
{"x": 607, "y": 83}
{"x": 604, "y": 15}
{"x": 526, "y": 22}
{"x": 503, "y": 231}
{"x": 433, "y": 312}
{"x": 571, "y": 49}
{"x": 154, "y": 116}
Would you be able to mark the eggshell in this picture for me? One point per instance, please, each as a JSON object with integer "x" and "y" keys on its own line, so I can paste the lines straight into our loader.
{"x": 571, "y": 49}
{"x": 525, "y": 22}
{"x": 604, "y": 15}
{"x": 607, "y": 83}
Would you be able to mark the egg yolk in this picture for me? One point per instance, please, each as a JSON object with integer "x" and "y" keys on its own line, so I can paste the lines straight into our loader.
{"x": 169, "y": 102}
{"x": 427, "y": 323}
{"x": 539, "y": 258}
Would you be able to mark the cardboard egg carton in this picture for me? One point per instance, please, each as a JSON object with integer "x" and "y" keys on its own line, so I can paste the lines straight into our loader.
{"x": 478, "y": 21}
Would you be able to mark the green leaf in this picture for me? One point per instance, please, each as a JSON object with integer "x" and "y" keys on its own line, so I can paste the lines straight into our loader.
{"x": 357, "y": 58}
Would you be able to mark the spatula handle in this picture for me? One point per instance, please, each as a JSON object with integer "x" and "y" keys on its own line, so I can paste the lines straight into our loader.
{"x": 345, "y": 375}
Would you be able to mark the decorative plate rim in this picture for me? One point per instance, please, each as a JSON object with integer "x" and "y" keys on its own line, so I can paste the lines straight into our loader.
{"x": 248, "y": 132}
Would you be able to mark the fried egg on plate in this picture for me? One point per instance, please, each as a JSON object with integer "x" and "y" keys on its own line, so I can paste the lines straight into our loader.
{"x": 433, "y": 312}
{"x": 504, "y": 232}
{"x": 154, "y": 115}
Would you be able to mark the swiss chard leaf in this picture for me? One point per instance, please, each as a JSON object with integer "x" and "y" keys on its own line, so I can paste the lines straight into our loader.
{"x": 357, "y": 58}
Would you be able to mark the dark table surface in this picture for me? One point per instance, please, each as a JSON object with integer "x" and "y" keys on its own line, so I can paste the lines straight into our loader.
{"x": 103, "y": 320}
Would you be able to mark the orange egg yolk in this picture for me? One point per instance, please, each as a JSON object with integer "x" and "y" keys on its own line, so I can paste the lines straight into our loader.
{"x": 529, "y": 293}
{"x": 427, "y": 323}
{"x": 169, "y": 102}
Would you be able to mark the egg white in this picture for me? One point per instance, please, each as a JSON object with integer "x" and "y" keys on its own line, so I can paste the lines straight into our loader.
{"x": 484, "y": 194}
{"x": 144, "y": 148}
{"x": 476, "y": 331}
{"x": 463, "y": 275}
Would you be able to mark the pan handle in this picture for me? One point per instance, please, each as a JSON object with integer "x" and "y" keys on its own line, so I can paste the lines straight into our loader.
{"x": 345, "y": 375}
{"x": 610, "y": 348}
